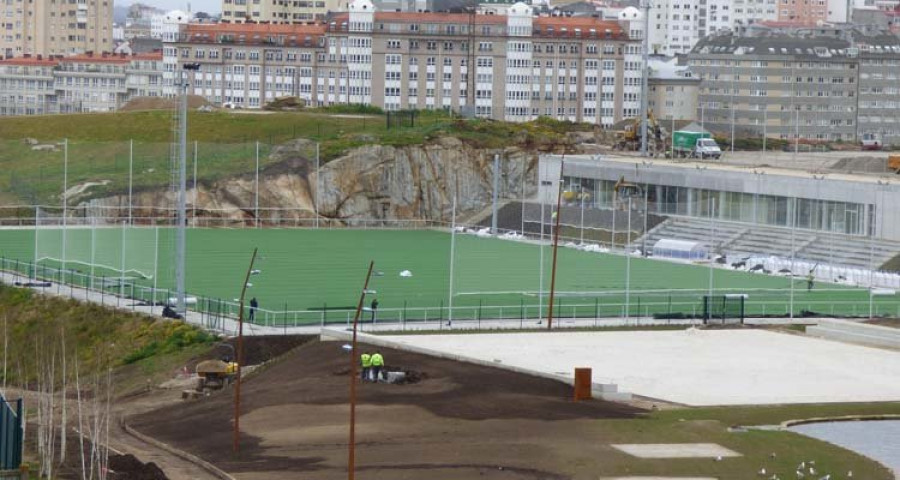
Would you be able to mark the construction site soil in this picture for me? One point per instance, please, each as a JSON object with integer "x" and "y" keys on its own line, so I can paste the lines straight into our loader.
{"x": 457, "y": 421}
{"x": 257, "y": 349}
{"x": 127, "y": 467}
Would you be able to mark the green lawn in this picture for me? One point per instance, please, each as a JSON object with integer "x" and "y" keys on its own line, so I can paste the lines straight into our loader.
{"x": 710, "y": 425}
{"x": 314, "y": 270}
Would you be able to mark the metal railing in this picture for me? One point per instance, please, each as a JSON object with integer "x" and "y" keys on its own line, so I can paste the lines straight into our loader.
{"x": 661, "y": 304}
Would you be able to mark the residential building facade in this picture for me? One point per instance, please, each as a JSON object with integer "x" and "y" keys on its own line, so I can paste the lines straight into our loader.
{"x": 672, "y": 90}
{"x": 677, "y": 25}
{"x": 826, "y": 84}
{"x": 45, "y": 28}
{"x": 279, "y": 11}
{"x": 75, "y": 84}
{"x": 513, "y": 67}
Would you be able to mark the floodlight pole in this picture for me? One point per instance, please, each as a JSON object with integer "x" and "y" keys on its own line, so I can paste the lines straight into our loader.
{"x": 452, "y": 261}
{"x": 65, "y": 195}
{"x": 318, "y": 173}
{"x": 645, "y": 73}
{"x": 130, "y": 181}
{"x": 351, "y": 460}
{"x": 555, "y": 245}
{"x": 236, "y": 445}
{"x": 181, "y": 204}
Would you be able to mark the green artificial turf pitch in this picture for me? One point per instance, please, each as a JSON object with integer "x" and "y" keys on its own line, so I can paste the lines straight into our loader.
{"x": 311, "y": 271}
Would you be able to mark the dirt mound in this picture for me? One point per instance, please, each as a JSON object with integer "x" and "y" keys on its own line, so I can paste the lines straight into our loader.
{"x": 299, "y": 405}
{"x": 257, "y": 349}
{"x": 127, "y": 467}
{"x": 156, "y": 103}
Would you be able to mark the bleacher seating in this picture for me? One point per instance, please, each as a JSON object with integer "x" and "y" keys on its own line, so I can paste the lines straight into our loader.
{"x": 735, "y": 239}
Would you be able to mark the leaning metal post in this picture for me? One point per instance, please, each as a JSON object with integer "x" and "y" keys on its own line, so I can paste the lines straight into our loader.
{"x": 351, "y": 460}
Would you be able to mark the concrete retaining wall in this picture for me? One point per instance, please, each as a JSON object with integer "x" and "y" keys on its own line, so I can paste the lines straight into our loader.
{"x": 856, "y": 332}
{"x": 605, "y": 391}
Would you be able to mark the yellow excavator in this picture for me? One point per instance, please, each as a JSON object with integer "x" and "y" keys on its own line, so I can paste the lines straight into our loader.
{"x": 629, "y": 139}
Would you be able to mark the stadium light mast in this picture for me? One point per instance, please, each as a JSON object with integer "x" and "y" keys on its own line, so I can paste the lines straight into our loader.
{"x": 181, "y": 204}
{"x": 645, "y": 73}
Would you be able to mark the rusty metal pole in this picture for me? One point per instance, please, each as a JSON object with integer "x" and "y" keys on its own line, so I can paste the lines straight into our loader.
{"x": 351, "y": 453}
{"x": 555, "y": 246}
{"x": 240, "y": 360}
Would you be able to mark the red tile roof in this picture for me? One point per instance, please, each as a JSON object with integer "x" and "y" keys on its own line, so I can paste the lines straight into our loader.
{"x": 29, "y": 62}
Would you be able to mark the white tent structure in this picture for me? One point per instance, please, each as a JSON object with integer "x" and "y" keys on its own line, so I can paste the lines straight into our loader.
{"x": 679, "y": 249}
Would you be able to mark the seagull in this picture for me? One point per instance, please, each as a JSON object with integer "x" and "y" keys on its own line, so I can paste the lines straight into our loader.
{"x": 850, "y": 474}
{"x": 772, "y": 455}
{"x": 801, "y": 466}
{"x": 812, "y": 471}
{"x": 800, "y": 474}
{"x": 719, "y": 458}
{"x": 826, "y": 477}
{"x": 762, "y": 471}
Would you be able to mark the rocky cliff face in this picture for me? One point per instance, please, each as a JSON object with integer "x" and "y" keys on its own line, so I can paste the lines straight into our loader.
{"x": 369, "y": 183}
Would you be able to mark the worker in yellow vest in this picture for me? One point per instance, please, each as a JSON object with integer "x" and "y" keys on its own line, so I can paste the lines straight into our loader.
{"x": 366, "y": 361}
{"x": 377, "y": 365}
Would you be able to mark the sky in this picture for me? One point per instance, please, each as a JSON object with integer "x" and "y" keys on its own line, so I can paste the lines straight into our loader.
{"x": 208, "y": 6}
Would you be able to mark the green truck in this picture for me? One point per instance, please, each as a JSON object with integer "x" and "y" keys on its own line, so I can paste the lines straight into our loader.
{"x": 694, "y": 145}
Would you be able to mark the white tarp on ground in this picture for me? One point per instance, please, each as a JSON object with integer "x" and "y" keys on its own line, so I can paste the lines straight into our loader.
{"x": 697, "y": 367}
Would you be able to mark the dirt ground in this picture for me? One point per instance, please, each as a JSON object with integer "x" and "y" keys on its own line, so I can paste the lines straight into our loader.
{"x": 458, "y": 421}
{"x": 885, "y": 322}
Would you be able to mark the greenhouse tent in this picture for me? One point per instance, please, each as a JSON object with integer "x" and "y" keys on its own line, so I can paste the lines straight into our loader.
{"x": 680, "y": 249}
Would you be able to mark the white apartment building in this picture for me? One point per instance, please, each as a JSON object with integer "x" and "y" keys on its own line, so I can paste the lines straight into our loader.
{"x": 81, "y": 83}
{"x": 279, "y": 11}
{"x": 579, "y": 68}
{"x": 677, "y": 25}
{"x": 171, "y": 27}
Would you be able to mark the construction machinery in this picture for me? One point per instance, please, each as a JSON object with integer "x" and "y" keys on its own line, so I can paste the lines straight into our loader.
{"x": 893, "y": 163}
{"x": 630, "y": 137}
{"x": 215, "y": 374}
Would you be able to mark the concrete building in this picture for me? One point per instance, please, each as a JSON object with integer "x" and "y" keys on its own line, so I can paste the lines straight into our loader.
{"x": 673, "y": 90}
{"x": 811, "y": 12}
{"x": 172, "y": 25}
{"x": 279, "y": 11}
{"x": 27, "y": 86}
{"x": 677, "y": 25}
{"x": 80, "y": 83}
{"x": 580, "y": 69}
{"x": 825, "y": 84}
{"x": 854, "y": 205}
{"x": 55, "y": 28}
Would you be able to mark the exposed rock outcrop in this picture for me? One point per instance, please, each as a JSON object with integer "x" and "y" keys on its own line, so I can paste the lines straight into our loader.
{"x": 374, "y": 182}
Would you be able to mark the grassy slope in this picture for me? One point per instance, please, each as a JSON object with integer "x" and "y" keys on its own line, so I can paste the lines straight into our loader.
{"x": 97, "y": 336}
{"x": 99, "y": 144}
